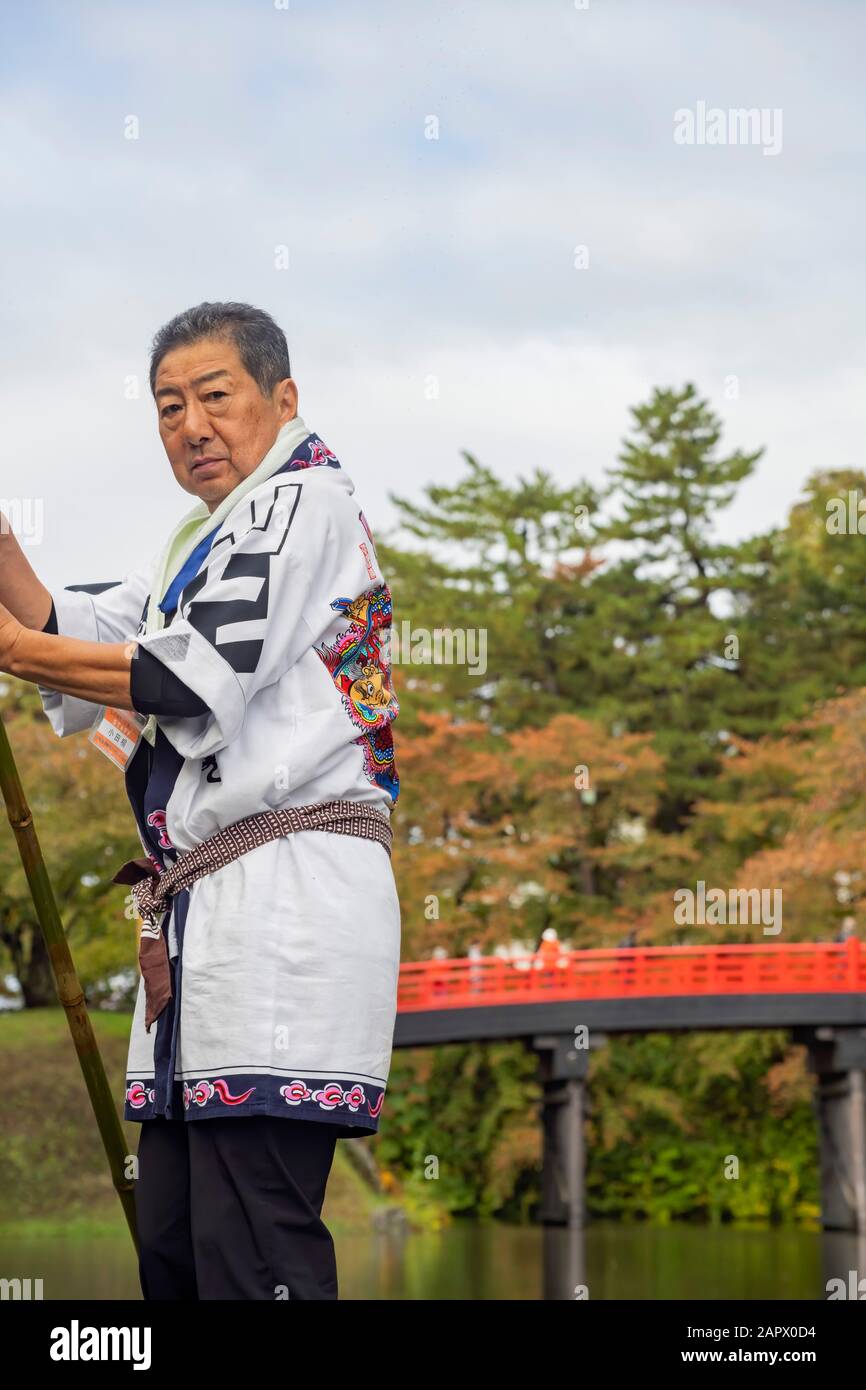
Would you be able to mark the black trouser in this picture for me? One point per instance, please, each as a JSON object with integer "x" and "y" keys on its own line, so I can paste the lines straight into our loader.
{"x": 231, "y": 1208}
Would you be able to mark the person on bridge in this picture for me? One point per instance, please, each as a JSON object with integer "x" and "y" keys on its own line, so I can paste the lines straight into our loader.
{"x": 549, "y": 953}
{"x": 240, "y": 677}
{"x": 548, "y": 947}
{"x": 439, "y": 978}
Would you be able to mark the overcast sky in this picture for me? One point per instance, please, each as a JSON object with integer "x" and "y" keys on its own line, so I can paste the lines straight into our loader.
{"x": 414, "y": 260}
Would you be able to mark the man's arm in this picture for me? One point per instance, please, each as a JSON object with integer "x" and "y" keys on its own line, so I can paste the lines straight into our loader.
{"x": 94, "y": 671}
{"x": 153, "y": 688}
{"x": 21, "y": 590}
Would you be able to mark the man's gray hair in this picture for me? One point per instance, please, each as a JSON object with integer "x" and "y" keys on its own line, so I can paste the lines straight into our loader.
{"x": 260, "y": 342}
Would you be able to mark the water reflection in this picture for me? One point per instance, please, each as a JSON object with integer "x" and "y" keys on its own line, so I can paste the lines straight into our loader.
{"x": 482, "y": 1261}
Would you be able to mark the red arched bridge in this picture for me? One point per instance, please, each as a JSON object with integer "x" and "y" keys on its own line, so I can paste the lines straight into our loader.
{"x": 564, "y": 1003}
{"x": 633, "y": 989}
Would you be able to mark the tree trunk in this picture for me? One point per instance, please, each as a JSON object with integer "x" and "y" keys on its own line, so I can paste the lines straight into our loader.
{"x": 36, "y": 978}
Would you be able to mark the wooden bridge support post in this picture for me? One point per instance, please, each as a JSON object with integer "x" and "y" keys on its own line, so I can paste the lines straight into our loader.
{"x": 837, "y": 1057}
{"x": 564, "y": 1069}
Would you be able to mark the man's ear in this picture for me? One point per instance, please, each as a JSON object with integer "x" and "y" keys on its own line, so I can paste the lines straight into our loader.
{"x": 286, "y": 399}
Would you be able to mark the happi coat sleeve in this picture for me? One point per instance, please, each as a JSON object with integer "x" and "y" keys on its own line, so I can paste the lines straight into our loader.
{"x": 94, "y": 613}
{"x": 260, "y": 601}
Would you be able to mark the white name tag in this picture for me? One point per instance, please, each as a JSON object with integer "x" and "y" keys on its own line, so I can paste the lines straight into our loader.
{"x": 116, "y": 733}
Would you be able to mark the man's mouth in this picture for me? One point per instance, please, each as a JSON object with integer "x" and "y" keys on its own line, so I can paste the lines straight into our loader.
{"x": 205, "y": 463}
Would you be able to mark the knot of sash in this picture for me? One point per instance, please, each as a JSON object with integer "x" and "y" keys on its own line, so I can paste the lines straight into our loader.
{"x": 148, "y": 892}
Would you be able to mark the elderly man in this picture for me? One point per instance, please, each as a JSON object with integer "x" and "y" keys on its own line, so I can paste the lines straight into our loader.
{"x": 241, "y": 679}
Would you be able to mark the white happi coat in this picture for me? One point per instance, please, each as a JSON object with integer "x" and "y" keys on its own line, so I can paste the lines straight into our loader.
{"x": 284, "y": 962}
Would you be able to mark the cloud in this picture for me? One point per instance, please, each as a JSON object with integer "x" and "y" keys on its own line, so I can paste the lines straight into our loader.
{"x": 411, "y": 258}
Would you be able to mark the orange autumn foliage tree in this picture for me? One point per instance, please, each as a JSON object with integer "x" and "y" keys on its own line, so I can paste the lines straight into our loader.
{"x": 500, "y": 839}
{"x": 788, "y": 813}
{"x": 815, "y": 845}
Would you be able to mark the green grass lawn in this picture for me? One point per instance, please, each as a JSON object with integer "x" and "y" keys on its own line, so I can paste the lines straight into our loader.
{"x": 54, "y": 1176}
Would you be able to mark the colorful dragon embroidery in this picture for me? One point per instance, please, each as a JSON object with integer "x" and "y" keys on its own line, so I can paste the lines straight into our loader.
{"x": 362, "y": 674}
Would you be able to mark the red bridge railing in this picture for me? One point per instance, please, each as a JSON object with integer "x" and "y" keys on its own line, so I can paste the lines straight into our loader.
{"x": 764, "y": 968}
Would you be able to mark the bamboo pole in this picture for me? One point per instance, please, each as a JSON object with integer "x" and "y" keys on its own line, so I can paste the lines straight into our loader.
{"x": 66, "y": 981}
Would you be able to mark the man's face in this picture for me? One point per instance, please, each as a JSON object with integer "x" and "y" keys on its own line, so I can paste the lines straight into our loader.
{"x": 214, "y": 422}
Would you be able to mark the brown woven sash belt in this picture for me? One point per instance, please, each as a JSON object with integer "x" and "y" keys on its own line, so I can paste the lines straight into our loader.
{"x": 152, "y": 891}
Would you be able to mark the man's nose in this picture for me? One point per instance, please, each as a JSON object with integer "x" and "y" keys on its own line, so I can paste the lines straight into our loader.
{"x": 196, "y": 427}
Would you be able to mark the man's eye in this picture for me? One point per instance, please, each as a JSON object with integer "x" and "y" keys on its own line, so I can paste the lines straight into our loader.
{"x": 214, "y": 395}
{"x": 167, "y": 409}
